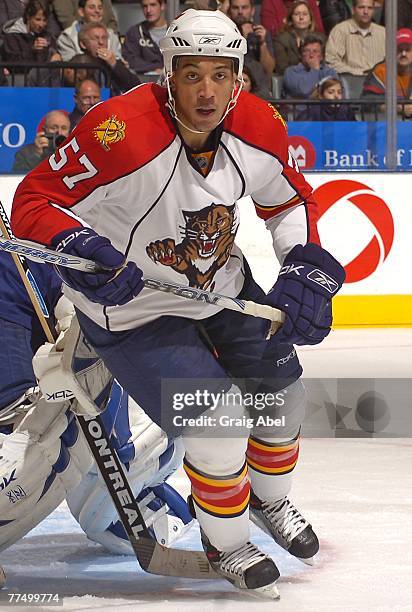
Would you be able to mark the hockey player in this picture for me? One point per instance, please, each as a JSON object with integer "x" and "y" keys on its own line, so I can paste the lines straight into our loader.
{"x": 43, "y": 456}
{"x": 147, "y": 184}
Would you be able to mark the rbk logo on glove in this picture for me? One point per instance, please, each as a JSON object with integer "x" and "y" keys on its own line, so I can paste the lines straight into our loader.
{"x": 307, "y": 282}
{"x": 324, "y": 280}
{"x": 316, "y": 276}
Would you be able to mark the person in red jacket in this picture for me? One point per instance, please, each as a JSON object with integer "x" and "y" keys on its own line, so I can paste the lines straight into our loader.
{"x": 273, "y": 14}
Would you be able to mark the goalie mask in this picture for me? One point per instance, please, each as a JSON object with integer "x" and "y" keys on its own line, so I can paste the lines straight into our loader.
{"x": 205, "y": 34}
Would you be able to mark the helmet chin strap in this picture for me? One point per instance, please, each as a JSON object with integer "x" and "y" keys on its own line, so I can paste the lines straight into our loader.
{"x": 171, "y": 103}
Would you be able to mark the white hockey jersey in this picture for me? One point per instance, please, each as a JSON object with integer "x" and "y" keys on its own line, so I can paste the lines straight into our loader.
{"x": 125, "y": 172}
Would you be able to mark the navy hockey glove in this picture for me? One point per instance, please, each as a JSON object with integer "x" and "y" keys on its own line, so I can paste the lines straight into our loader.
{"x": 109, "y": 287}
{"x": 308, "y": 280}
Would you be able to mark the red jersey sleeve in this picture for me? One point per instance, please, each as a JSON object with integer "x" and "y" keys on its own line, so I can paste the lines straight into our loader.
{"x": 112, "y": 140}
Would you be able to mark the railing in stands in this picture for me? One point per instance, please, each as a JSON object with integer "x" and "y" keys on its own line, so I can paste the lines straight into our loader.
{"x": 364, "y": 109}
{"x": 53, "y": 74}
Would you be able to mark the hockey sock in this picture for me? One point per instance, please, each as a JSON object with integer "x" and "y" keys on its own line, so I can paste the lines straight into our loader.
{"x": 221, "y": 504}
{"x": 271, "y": 464}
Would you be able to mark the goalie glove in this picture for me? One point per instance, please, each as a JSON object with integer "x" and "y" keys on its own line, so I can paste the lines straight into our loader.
{"x": 307, "y": 281}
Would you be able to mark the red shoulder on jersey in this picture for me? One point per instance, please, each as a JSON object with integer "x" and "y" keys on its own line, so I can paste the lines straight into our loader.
{"x": 258, "y": 123}
{"x": 114, "y": 138}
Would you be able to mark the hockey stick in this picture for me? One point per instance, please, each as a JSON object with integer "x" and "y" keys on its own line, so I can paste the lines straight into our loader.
{"x": 152, "y": 556}
{"x": 40, "y": 253}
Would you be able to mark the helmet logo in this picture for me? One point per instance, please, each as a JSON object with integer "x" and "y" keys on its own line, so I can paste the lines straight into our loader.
{"x": 210, "y": 40}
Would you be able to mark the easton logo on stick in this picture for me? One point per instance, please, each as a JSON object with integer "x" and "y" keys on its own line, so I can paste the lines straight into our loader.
{"x": 188, "y": 292}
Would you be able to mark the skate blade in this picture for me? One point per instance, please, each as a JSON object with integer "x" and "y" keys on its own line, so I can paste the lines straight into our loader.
{"x": 309, "y": 561}
{"x": 270, "y": 591}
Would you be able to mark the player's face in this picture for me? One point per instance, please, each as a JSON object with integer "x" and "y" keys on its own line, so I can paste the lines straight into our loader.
{"x": 202, "y": 88}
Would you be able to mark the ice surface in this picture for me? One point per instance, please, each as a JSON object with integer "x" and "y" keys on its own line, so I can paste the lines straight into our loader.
{"x": 356, "y": 493}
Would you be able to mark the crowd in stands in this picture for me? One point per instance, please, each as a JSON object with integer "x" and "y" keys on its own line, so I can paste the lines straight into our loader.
{"x": 298, "y": 50}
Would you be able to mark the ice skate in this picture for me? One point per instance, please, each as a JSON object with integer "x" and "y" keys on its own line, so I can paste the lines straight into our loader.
{"x": 247, "y": 568}
{"x": 285, "y": 524}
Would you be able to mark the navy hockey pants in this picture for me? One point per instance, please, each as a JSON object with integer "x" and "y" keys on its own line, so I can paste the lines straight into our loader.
{"x": 174, "y": 348}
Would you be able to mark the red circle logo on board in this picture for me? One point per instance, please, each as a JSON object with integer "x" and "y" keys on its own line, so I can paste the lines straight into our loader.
{"x": 303, "y": 151}
{"x": 378, "y": 213}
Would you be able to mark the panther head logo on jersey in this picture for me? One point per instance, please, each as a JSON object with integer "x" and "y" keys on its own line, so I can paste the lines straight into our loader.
{"x": 208, "y": 237}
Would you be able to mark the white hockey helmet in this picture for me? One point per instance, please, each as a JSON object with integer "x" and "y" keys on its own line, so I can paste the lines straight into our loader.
{"x": 204, "y": 33}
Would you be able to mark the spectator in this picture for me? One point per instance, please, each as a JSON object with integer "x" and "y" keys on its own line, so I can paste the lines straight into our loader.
{"x": 299, "y": 81}
{"x": 62, "y": 77}
{"x": 328, "y": 89}
{"x": 299, "y": 24}
{"x": 55, "y": 130}
{"x": 356, "y": 45}
{"x": 10, "y": 10}
{"x": 251, "y": 84}
{"x": 86, "y": 95}
{"x": 27, "y": 39}
{"x": 93, "y": 41}
{"x": 334, "y": 12}
{"x": 141, "y": 46}
{"x": 404, "y": 14}
{"x": 68, "y": 41}
{"x": 259, "y": 42}
{"x": 375, "y": 83}
{"x": 274, "y": 14}
{"x": 67, "y": 12}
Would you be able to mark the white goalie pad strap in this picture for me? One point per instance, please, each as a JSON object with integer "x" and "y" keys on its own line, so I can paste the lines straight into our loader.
{"x": 88, "y": 378}
{"x": 90, "y": 503}
{"x": 44, "y": 457}
{"x": 9, "y": 414}
{"x": 166, "y": 527}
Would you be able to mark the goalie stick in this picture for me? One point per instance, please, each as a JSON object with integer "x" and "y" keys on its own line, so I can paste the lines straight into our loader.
{"x": 41, "y": 254}
{"x": 152, "y": 556}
